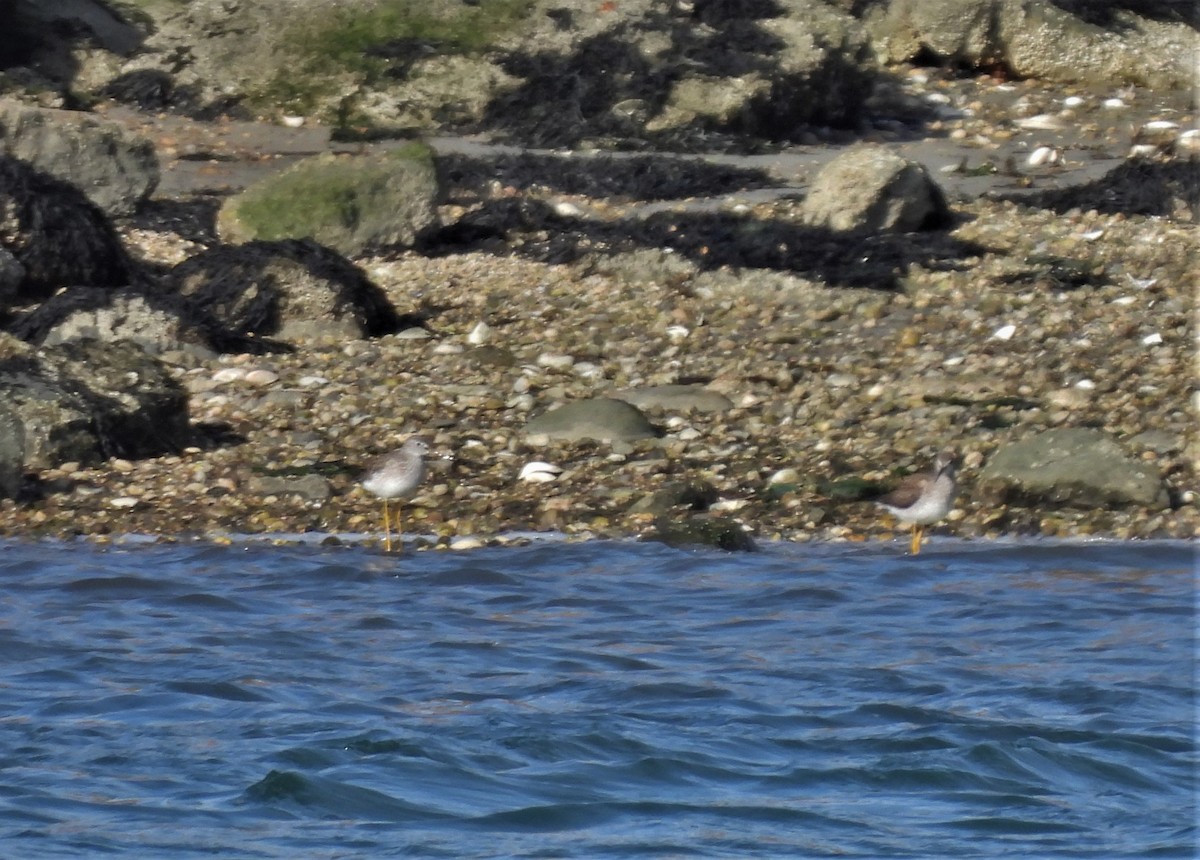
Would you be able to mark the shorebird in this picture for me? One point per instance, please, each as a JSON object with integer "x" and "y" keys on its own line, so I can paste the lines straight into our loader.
{"x": 395, "y": 475}
{"x": 923, "y": 498}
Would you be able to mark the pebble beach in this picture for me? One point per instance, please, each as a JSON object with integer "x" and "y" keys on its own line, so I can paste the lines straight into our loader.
{"x": 828, "y": 384}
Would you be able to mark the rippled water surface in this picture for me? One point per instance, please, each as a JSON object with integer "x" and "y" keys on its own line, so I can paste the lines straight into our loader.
{"x": 598, "y": 700}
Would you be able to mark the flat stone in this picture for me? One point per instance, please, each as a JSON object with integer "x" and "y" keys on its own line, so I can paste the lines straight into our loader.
{"x": 600, "y": 418}
{"x": 678, "y": 398}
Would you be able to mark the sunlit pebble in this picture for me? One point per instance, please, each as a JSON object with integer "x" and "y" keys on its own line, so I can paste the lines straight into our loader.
{"x": 1124, "y": 300}
{"x": 728, "y": 505}
{"x": 312, "y": 381}
{"x": 229, "y": 374}
{"x": 466, "y": 542}
{"x": 261, "y": 377}
{"x": 448, "y": 349}
{"x": 1085, "y": 384}
{"x": 1073, "y": 101}
{"x": 539, "y": 472}
{"x": 784, "y": 476}
{"x": 1160, "y": 125}
{"x": 689, "y": 434}
{"x": 1005, "y": 332}
{"x": 566, "y": 210}
{"x": 555, "y": 361}
{"x": 676, "y": 333}
{"x": 1091, "y": 235}
{"x": 1144, "y": 150}
{"x": 481, "y": 334}
{"x": 1189, "y": 140}
{"x": 1152, "y": 339}
{"x": 1114, "y": 103}
{"x": 123, "y": 502}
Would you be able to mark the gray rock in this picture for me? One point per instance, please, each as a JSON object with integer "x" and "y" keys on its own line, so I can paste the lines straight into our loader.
{"x": 696, "y": 496}
{"x": 312, "y": 488}
{"x": 12, "y": 452}
{"x": 155, "y": 321}
{"x": 1075, "y": 467}
{"x": 56, "y": 234}
{"x": 1038, "y": 39}
{"x": 600, "y": 418}
{"x": 677, "y": 398}
{"x": 348, "y": 203}
{"x": 871, "y": 188}
{"x": 113, "y": 168}
{"x": 289, "y": 290}
{"x": 90, "y": 401}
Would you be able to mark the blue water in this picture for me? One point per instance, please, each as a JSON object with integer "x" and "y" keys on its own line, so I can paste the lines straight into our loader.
{"x": 598, "y": 700}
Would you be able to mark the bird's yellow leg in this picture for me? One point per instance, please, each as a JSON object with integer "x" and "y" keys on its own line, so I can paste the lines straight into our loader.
{"x": 400, "y": 524}
{"x": 916, "y": 539}
{"x": 387, "y": 528}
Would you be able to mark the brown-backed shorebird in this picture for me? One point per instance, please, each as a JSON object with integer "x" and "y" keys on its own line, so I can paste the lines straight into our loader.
{"x": 395, "y": 475}
{"x": 924, "y": 498}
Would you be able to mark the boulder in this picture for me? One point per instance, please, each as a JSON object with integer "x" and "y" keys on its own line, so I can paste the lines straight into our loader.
{"x": 90, "y": 401}
{"x": 600, "y": 418}
{"x": 289, "y": 290}
{"x": 1075, "y": 467}
{"x": 12, "y": 452}
{"x": 873, "y": 189}
{"x": 348, "y": 203}
{"x": 153, "y": 319}
{"x": 113, "y": 168}
{"x": 1111, "y": 47}
{"x": 57, "y": 236}
{"x": 702, "y": 530}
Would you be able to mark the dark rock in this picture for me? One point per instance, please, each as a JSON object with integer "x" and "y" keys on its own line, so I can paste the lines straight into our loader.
{"x": 1075, "y": 467}
{"x": 694, "y": 495}
{"x": 56, "y": 234}
{"x": 872, "y": 189}
{"x": 291, "y": 290}
{"x": 702, "y": 531}
{"x": 599, "y": 418}
{"x": 12, "y": 452}
{"x": 90, "y": 401}
{"x": 113, "y": 168}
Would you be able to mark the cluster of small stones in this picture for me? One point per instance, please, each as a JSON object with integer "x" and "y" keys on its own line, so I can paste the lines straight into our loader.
{"x": 826, "y": 383}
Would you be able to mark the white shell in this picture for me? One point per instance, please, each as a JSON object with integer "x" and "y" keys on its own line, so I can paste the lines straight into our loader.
{"x": 1005, "y": 332}
{"x": 292, "y": 120}
{"x": 1152, "y": 339}
{"x": 1044, "y": 155}
{"x": 539, "y": 472}
{"x": 1114, "y": 104}
{"x": 229, "y": 374}
{"x": 1041, "y": 121}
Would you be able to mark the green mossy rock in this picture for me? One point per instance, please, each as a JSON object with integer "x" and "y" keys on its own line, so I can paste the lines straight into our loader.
{"x": 348, "y": 203}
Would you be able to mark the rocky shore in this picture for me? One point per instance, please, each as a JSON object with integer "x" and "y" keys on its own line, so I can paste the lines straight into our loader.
{"x": 786, "y": 373}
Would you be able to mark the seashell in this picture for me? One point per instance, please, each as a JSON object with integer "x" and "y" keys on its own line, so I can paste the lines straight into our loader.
{"x": 1005, "y": 332}
{"x": 1114, "y": 103}
{"x": 1044, "y": 155}
{"x": 1073, "y": 101}
{"x": 728, "y": 505}
{"x": 539, "y": 472}
{"x": 1152, "y": 339}
{"x": 229, "y": 374}
{"x": 1041, "y": 122}
{"x": 1085, "y": 385}
{"x": 676, "y": 333}
{"x": 292, "y": 120}
{"x": 261, "y": 377}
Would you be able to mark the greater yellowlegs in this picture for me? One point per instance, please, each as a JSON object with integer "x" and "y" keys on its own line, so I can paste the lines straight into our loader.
{"x": 394, "y": 475}
{"x": 924, "y": 498}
